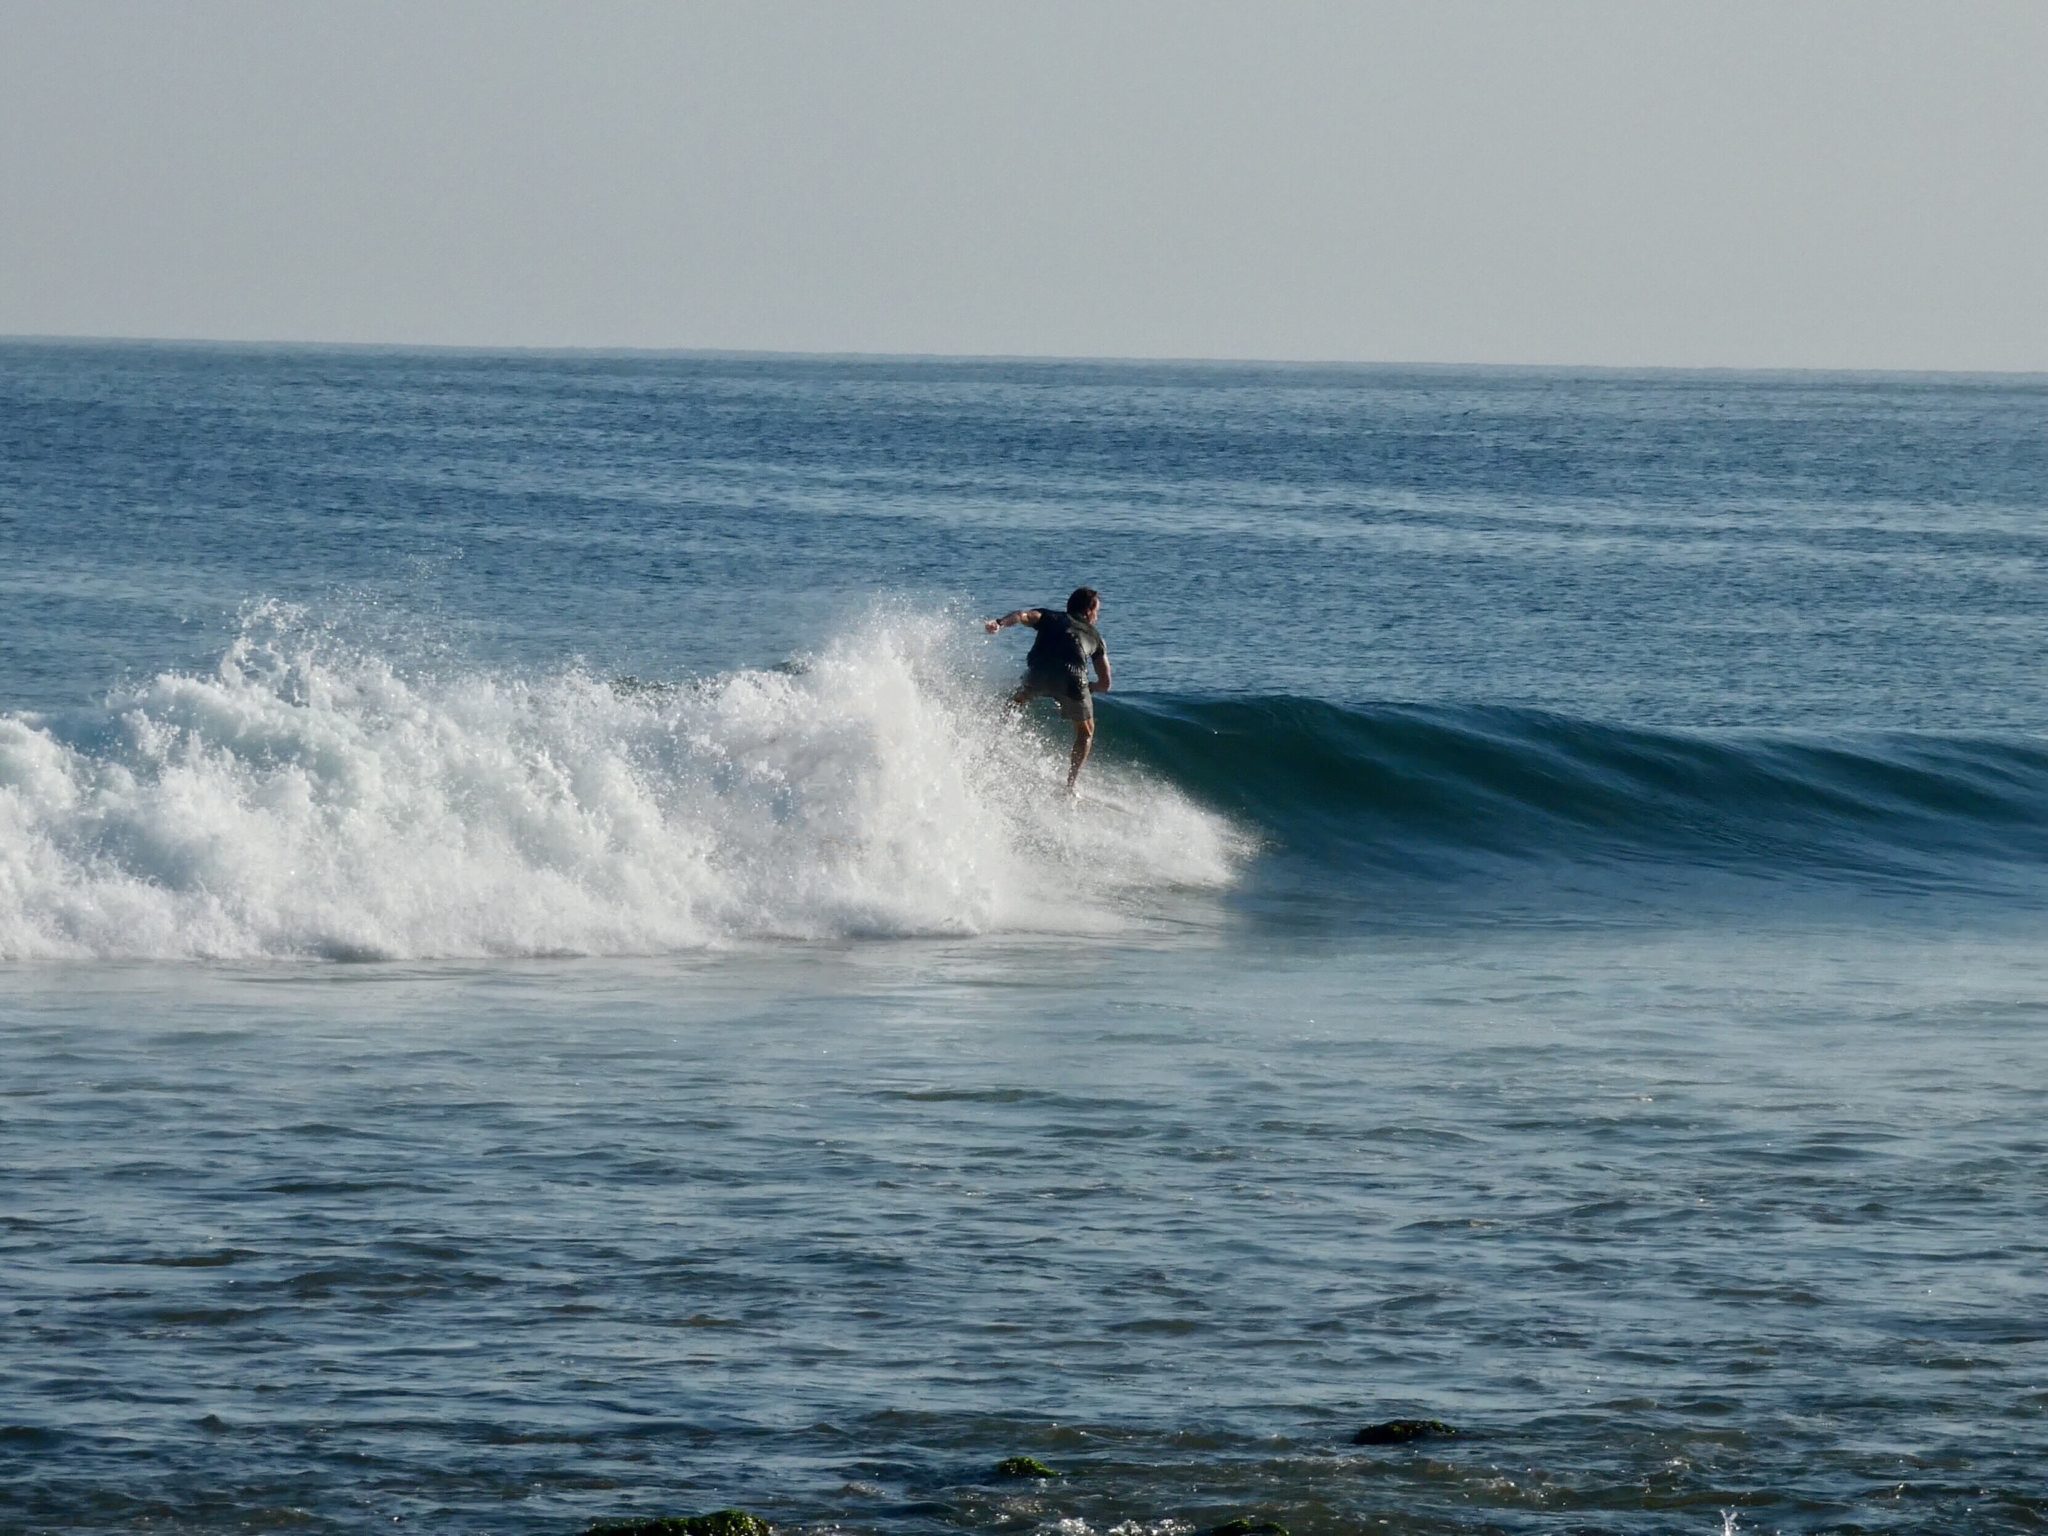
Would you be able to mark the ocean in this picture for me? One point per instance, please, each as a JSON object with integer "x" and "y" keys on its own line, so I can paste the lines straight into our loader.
{"x": 540, "y": 985}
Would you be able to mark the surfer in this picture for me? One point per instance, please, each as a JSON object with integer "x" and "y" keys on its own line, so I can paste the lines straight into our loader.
{"x": 1057, "y": 667}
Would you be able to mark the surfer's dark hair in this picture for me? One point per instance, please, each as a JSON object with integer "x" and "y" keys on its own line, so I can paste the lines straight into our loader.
{"x": 1081, "y": 600}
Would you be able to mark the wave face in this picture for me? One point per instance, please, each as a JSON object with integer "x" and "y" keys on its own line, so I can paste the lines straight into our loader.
{"x": 1410, "y": 791}
{"x": 310, "y": 798}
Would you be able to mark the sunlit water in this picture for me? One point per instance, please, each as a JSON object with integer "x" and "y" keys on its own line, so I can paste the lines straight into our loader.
{"x": 538, "y": 984}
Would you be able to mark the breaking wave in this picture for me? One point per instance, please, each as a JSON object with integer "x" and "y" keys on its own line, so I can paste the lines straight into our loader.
{"x": 310, "y": 798}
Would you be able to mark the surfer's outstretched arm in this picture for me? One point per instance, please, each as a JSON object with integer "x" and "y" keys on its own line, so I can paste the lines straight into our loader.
{"x": 1026, "y": 616}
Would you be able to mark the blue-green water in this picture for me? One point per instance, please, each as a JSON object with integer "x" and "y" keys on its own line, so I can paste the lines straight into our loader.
{"x": 538, "y": 984}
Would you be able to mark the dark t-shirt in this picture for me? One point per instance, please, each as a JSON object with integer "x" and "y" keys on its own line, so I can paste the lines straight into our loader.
{"x": 1064, "y": 643}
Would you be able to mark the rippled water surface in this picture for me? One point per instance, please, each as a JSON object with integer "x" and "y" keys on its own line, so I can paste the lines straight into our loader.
{"x": 537, "y": 984}
{"x": 830, "y": 1235}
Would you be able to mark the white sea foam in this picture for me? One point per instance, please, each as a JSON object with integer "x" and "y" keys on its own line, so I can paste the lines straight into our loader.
{"x": 309, "y": 798}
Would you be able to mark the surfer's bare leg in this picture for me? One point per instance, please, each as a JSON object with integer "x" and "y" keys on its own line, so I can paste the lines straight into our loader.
{"x": 1084, "y": 739}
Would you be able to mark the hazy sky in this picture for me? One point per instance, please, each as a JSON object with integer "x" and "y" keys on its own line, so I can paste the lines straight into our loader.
{"x": 1828, "y": 183}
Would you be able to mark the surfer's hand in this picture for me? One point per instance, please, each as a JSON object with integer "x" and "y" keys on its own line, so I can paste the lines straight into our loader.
{"x": 991, "y": 625}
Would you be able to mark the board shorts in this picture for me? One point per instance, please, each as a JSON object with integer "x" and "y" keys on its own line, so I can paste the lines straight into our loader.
{"x": 1071, "y": 693}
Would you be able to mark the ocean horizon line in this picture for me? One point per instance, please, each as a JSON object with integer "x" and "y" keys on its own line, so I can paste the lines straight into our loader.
{"x": 1012, "y": 359}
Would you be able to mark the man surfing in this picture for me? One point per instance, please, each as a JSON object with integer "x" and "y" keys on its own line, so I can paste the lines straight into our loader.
{"x": 1057, "y": 667}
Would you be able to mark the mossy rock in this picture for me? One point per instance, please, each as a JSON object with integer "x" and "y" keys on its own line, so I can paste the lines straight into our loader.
{"x": 723, "y": 1522}
{"x": 1401, "y": 1431}
{"x": 1025, "y": 1466}
{"x": 1243, "y": 1526}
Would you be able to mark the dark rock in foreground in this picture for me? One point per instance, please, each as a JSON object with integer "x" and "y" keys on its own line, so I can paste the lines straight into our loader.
{"x": 1245, "y": 1527}
{"x": 1401, "y": 1431}
{"x": 1025, "y": 1466}
{"x": 724, "y": 1522}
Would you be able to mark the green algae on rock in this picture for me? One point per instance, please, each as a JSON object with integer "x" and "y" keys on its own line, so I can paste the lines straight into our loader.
{"x": 722, "y": 1522}
{"x": 1025, "y": 1466}
{"x": 1401, "y": 1431}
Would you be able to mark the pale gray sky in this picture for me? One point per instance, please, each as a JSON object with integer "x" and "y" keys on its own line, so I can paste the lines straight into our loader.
{"x": 1822, "y": 183}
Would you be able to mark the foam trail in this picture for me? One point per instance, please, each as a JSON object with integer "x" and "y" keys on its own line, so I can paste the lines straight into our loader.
{"x": 312, "y": 799}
